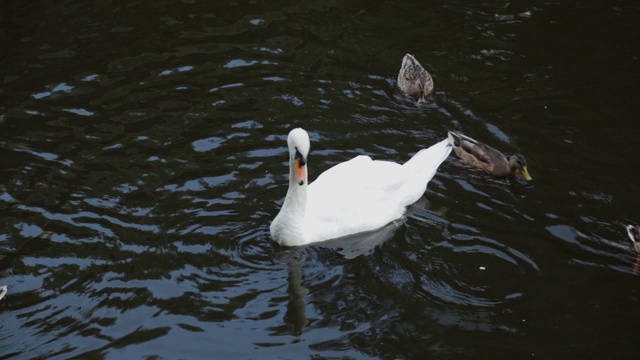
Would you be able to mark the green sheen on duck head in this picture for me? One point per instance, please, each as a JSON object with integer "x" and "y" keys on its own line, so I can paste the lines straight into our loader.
{"x": 517, "y": 162}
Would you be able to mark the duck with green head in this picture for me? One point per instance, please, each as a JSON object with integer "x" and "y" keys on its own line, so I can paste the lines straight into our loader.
{"x": 488, "y": 159}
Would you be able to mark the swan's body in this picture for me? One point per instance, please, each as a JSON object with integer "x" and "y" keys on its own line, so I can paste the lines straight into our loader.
{"x": 634, "y": 235}
{"x": 413, "y": 79}
{"x": 352, "y": 197}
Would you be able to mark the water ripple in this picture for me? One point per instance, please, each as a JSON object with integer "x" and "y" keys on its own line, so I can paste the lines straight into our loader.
{"x": 140, "y": 173}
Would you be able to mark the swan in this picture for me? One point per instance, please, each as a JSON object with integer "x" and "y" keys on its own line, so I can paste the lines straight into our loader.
{"x": 351, "y": 197}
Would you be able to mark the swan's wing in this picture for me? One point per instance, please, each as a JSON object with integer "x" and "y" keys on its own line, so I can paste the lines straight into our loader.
{"x": 355, "y": 196}
{"x": 364, "y": 194}
{"x": 358, "y": 174}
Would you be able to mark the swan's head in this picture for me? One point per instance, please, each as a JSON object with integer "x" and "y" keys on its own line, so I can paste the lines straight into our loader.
{"x": 299, "y": 145}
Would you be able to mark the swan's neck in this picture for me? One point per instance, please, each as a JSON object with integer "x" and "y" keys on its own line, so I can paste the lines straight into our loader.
{"x": 288, "y": 226}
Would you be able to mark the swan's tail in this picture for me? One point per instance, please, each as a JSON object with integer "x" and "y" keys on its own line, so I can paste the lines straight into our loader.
{"x": 426, "y": 162}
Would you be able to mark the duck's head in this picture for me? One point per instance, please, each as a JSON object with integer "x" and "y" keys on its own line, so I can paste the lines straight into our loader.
{"x": 517, "y": 162}
{"x": 299, "y": 145}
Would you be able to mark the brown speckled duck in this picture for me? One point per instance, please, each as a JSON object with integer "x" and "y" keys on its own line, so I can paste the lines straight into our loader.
{"x": 634, "y": 235}
{"x": 488, "y": 159}
{"x": 413, "y": 79}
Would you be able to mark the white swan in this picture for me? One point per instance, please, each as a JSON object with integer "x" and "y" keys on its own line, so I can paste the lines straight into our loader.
{"x": 352, "y": 197}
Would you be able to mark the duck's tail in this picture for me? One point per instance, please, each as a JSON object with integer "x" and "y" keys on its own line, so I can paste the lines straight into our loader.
{"x": 455, "y": 138}
{"x": 633, "y": 232}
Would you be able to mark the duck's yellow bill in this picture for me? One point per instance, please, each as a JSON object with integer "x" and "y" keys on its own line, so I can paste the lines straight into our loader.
{"x": 525, "y": 174}
{"x": 300, "y": 176}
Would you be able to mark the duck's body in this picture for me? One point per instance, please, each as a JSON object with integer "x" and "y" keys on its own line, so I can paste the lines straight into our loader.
{"x": 634, "y": 235}
{"x": 488, "y": 159}
{"x": 352, "y": 197}
{"x": 413, "y": 79}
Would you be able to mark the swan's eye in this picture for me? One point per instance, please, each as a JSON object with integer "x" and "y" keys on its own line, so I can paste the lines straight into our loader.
{"x": 300, "y": 158}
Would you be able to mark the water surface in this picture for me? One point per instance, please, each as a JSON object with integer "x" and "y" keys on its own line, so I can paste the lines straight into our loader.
{"x": 143, "y": 156}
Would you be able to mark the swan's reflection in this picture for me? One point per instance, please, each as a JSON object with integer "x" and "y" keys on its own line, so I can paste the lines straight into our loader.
{"x": 3, "y": 291}
{"x": 362, "y": 244}
{"x": 295, "y": 315}
{"x": 350, "y": 247}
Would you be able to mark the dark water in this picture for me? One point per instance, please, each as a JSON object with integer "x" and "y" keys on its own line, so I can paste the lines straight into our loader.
{"x": 142, "y": 158}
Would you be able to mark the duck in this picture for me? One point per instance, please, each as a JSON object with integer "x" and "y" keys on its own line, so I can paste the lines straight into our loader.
{"x": 352, "y": 197}
{"x": 488, "y": 159}
{"x": 414, "y": 80}
{"x": 634, "y": 235}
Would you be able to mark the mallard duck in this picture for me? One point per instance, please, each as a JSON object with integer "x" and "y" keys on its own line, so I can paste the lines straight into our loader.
{"x": 351, "y": 197}
{"x": 634, "y": 235}
{"x": 413, "y": 79}
{"x": 487, "y": 158}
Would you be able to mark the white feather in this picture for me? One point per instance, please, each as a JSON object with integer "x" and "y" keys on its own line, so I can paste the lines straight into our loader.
{"x": 354, "y": 196}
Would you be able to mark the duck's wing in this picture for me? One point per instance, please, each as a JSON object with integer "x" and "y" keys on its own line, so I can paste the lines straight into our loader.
{"x": 487, "y": 154}
{"x": 481, "y": 151}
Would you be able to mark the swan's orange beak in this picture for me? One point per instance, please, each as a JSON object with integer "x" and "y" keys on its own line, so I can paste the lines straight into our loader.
{"x": 301, "y": 177}
{"x": 299, "y": 163}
